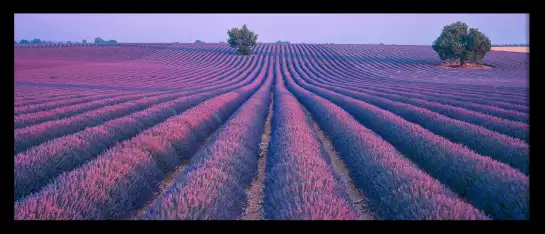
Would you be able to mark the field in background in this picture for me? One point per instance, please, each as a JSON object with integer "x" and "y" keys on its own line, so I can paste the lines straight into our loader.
{"x": 296, "y": 131}
{"x": 512, "y": 49}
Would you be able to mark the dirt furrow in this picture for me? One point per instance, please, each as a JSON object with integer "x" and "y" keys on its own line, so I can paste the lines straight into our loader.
{"x": 253, "y": 210}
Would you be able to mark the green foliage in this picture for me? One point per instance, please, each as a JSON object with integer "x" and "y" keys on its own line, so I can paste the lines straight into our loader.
{"x": 456, "y": 43}
{"x": 112, "y": 42}
{"x": 36, "y": 41}
{"x": 282, "y": 42}
{"x": 84, "y": 41}
{"x": 24, "y": 42}
{"x": 242, "y": 39}
{"x": 199, "y": 41}
{"x": 99, "y": 40}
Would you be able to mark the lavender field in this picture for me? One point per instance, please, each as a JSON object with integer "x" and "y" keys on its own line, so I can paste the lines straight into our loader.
{"x": 294, "y": 132}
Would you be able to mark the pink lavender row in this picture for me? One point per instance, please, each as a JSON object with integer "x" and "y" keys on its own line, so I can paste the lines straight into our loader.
{"x": 41, "y": 100}
{"x": 347, "y": 68}
{"x": 121, "y": 180}
{"x": 37, "y": 134}
{"x": 511, "y": 128}
{"x": 479, "y": 178}
{"x": 485, "y": 109}
{"x": 40, "y": 164}
{"x": 515, "y": 115}
{"x": 214, "y": 184}
{"x": 397, "y": 188}
{"x": 511, "y": 151}
{"x": 476, "y": 100}
{"x": 429, "y": 63}
{"x": 502, "y": 113}
{"x": 300, "y": 183}
{"x": 508, "y": 127}
{"x": 29, "y": 119}
{"x": 27, "y": 93}
{"x": 61, "y": 103}
{"x": 25, "y": 138}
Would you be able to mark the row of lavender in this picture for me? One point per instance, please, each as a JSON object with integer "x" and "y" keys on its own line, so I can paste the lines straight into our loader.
{"x": 118, "y": 181}
{"x": 50, "y": 156}
{"x": 477, "y": 177}
{"x": 39, "y": 133}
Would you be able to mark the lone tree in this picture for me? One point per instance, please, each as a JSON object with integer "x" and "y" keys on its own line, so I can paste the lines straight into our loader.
{"x": 242, "y": 39}
{"x": 24, "y": 42}
{"x": 36, "y": 41}
{"x": 84, "y": 41}
{"x": 457, "y": 43}
{"x": 199, "y": 41}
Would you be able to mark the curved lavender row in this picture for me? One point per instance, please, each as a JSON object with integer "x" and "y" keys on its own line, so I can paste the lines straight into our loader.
{"x": 479, "y": 178}
{"x": 38, "y": 165}
{"x": 511, "y": 151}
{"x": 43, "y": 100}
{"x": 397, "y": 187}
{"x": 504, "y": 102}
{"x": 300, "y": 183}
{"x": 37, "y": 134}
{"x": 499, "y": 104}
{"x": 508, "y": 127}
{"x": 118, "y": 77}
{"x": 514, "y": 115}
{"x": 489, "y": 110}
{"x": 31, "y": 93}
{"x": 26, "y": 120}
{"x": 66, "y": 102}
{"x": 348, "y": 69}
{"x": 27, "y": 137}
{"x": 428, "y": 62}
{"x": 120, "y": 180}
{"x": 213, "y": 185}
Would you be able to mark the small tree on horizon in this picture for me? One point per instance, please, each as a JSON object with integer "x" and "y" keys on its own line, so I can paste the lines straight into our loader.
{"x": 242, "y": 39}
{"x": 24, "y": 42}
{"x": 36, "y": 41}
{"x": 199, "y": 41}
{"x": 99, "y": 40}
{"x": 457, "y": 43}
{"x": 84, "y": 41}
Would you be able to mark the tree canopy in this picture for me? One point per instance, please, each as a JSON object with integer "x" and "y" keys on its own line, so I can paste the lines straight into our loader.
{"x": 457, "y": 42}
{"x": 242, "y": 39}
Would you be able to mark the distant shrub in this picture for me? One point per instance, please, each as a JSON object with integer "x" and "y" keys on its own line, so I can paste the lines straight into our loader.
{"x": 199, "y": 41}
{"x": 242, "y": 39}
{"x": 381, "y": 44}
{"x": 112, "y": 42}
{"x": 99, "y": 40}
{"x": 24, "y": 42}
{"x": 36, "y": 41}
{"x": 457, "y": 43}
{"x": 282, "y": 42}
{"x": 84, "y": 41}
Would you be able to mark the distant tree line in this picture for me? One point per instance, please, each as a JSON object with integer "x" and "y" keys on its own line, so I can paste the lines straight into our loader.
{"x": 282, "y": 42}
{"x": 98, "y": 40}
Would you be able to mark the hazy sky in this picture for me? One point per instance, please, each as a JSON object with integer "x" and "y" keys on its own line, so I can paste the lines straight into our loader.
{"x": 408, "y": 29}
